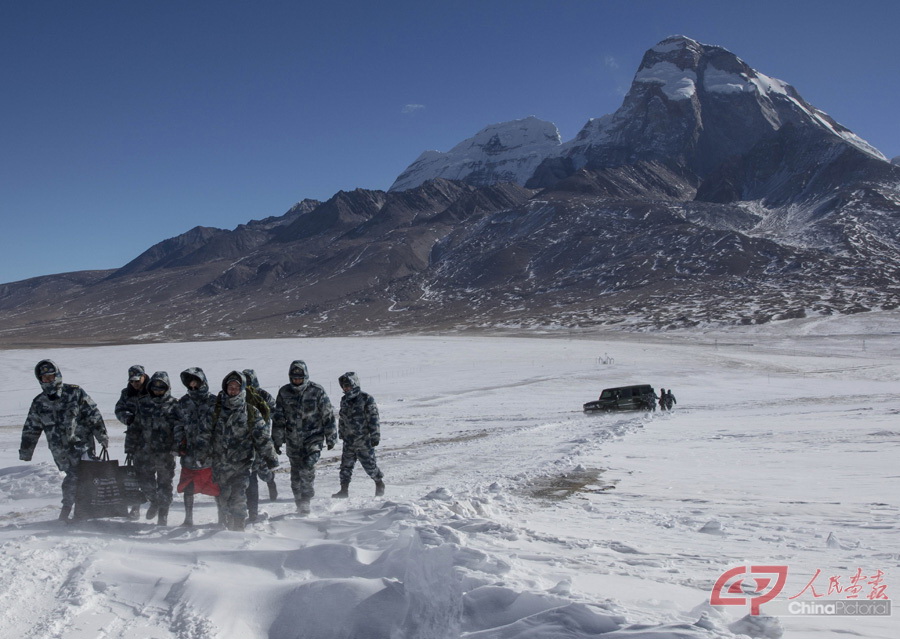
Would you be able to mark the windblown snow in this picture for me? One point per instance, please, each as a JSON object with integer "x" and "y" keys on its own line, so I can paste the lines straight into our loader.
{"x": 509, "y": 513}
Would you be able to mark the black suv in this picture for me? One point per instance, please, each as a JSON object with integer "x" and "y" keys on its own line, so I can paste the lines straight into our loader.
{"x": 638, "y": 397}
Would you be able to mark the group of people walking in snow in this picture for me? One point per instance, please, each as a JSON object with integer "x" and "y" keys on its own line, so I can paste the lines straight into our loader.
{"x": 666, "y": 399}
{"x": 226, "y": 441}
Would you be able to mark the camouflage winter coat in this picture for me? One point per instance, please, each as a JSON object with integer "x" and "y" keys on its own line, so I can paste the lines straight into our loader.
{"x": 303, "y": 418}
{"x": 192, "y": 433}
{"x": 67, "y": 416}
{"x": 358, "y": 421}
{"x": 126, "y": 407}
{"x": 238, "y": 433}
{"x": 153, "y": 431}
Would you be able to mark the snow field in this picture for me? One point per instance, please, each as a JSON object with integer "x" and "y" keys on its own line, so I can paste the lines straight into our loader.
{"x": 509, "y": 512}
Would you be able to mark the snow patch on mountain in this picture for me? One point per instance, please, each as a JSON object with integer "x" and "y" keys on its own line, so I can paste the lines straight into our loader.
{"x": 505, "y": 152}
{"x": 670, "y": 44}
{"x": 677, "y": 84}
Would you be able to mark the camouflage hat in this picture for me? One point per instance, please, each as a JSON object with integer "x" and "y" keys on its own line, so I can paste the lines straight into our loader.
{"x": 136, "y": 373}
{"x": 347, "y": 379}
{"x": 46, "y": 368}
{"x": 251, "y": 378}
{"x": 187, "y": 377}
{"x": 234, "y": 376}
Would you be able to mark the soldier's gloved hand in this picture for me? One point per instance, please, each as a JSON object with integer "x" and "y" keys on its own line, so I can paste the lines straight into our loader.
{"x": 330, "y": 445}
{"x": 272, "y": 462}
{"x": 25, "y": 455}
{"x": 278, "y": 450}
{"x": 375, "y": 440}
{"x": 129, "y": 419}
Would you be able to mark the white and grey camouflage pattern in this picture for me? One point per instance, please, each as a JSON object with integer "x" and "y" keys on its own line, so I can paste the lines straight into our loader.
{"x": 360, "y": 430}
{"x": 151, "y": 441}
{"x": 303, "y": 422}
{"x": 193, "y": 431}
{"x": 126, "y": 407}
{"x": 238, "y": 434}
{"x": 69, "y": 419}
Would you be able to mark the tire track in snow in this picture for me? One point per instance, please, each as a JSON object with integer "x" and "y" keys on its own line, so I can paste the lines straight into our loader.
{"x": 507, "y": 454}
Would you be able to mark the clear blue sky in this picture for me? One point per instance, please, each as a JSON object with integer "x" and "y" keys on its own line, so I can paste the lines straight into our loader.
{"x": 123, "y": 123}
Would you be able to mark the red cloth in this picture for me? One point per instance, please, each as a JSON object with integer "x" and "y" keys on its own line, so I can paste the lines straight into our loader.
{"x": 203, "y": 481}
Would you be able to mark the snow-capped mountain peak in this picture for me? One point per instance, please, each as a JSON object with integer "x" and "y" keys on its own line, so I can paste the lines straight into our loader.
{"x": 692, "y": 104}
{"x": 505, "y": 152}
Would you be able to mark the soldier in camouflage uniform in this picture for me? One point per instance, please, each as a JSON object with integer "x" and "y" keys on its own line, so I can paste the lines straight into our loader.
{"x": 259, "y": 470}
{"x": 126, "y": 407}
{"x": 150, "y": 441}
{"x": 70, "y": 420}
{"x": 192, "y": 437}
{"x": 238, "y": 433}
{"x": 360, "y": 432}
{"x": 303, "y": 421}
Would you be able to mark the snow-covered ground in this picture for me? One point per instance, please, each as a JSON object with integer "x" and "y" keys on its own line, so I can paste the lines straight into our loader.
{"x": 509, "y": 513}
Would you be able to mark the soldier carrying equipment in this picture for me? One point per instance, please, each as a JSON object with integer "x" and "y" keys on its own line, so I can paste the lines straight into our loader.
{"x": 69, "y": 419}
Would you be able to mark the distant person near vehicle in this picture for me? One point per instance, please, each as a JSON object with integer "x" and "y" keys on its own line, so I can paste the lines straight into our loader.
{"x": 303, "y": 422}
{"x": 69, "y": 418}
{"x": 360, "y": 431}
{"x": 670, "y": 400}
{"x": 663, "y": 405}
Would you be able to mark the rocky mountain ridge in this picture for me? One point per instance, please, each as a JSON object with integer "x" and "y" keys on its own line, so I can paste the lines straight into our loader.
{"x": 714, "y": 195}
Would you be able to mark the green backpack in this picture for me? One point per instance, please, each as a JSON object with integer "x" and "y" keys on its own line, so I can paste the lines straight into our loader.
{"x": 256, "y": 400}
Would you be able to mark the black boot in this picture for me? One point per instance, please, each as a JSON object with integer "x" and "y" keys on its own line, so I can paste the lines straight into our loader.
{"x": 303, "y": 507}
{"x": 134, "y": 512}
{"x": 379, "y": 488}
{"x": 151, "y": 512}
{"x": 64, "y": 513}
{"x": 253, "y": 499}
{"x": 163, "y": 516}
{"x": 188, "y": 509}
{"x": 220, "y": 507}
{"x": 343, "y": 493}
{"x": 273, "y": 489}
